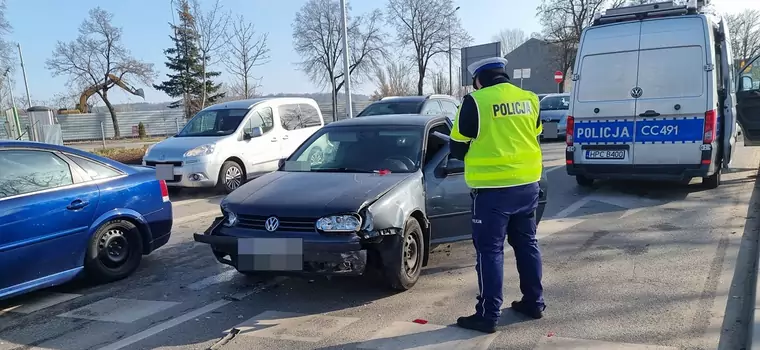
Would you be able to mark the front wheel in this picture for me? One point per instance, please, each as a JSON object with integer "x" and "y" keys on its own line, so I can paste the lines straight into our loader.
{"x": 404, "y": 264}
{"x": 584, "y": 181}
{"x": 231, "y": 176}
{"x": 114, "y": 252}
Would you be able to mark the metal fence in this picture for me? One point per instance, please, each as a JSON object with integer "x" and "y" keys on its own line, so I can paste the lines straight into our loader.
{"x": 98, "y": 126}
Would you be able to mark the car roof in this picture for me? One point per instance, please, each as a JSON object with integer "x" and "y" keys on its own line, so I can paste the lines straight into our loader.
{"x": 390, "y": 119}
{"x": 65, "y": 149}
{"x": 415, "y": 98}
{"x": 250, "y": 103}
{"x": 564, "y": 94}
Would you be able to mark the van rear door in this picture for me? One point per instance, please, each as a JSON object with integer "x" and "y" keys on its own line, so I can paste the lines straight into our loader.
{"x": 602, "y": 106}
{"x": 729, "y": 99}
{"x": 748, "y": 102}
{"x": 672, "y": 92}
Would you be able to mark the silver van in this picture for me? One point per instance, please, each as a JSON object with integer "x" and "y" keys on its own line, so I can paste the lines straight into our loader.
{"x": 226, "y": 144}
{"x": 654, "y": 96}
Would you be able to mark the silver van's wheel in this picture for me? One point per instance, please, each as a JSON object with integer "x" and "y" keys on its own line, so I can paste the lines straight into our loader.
{"x": 231, "y": 177}
{"x": 316, "y": 156}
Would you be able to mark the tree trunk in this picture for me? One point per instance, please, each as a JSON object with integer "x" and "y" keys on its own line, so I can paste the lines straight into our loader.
{"x": 421, "y": 80}
{"x": 245, "y": 87}
{"x": 114, "y": 119}
{"x": 203, "y": 96}
{"x": 334, "y": 100}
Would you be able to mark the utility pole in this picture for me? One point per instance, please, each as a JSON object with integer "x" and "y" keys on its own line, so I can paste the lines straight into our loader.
{"x": 451, "y": 81}
{"x": 346, "y": 72}
{"x": 23, "y": 70}
{"x": 16, "y": 120}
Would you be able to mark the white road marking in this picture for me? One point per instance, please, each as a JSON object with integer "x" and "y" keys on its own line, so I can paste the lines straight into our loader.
{"x": 161, "y": 327}
{"x": 553, "y": 168}
{"x": 293, "y": 326}
{"x": 196, "y": 216}
{"x": 560, "y": 343}
{"x": 410, "y": 335}
{"x": 571, "y": 208}
{"x": 39, "y": 301}
{"x": 222, "y": 277}
{"x": 549, "y": 227}
{"x": 119, "y": 310}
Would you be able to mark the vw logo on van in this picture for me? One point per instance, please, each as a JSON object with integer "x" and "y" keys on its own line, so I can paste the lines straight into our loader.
{"x": 636, "y": 92}
{"x": 272, "y": 224}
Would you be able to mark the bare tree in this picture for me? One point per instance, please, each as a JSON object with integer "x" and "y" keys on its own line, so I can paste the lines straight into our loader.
{"x": 392, "y": 79}
{"x": 96, "y": 54}
{"x": 744, "y": 30}
{"x": 211, "y": 27}
{"x": 510, "y": 39}
{"x": 245, "y": 52}
{"x": 439, "y": 82}
{"x": 317, "y": 38}
{"x": 426, "y": 26}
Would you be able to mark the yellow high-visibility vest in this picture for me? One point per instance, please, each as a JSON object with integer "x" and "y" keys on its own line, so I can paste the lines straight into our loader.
{"x": 506, "y": 151}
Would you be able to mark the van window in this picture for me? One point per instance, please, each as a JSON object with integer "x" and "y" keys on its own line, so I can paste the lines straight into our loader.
{"x": 215, "y": 122}
{"x": 432, "y": 108}
{"x": 290, "y": 117}
{"x": 261, "y": 118}
{"x": 672, "y": 72}
{"x": 607, "y": 77}
{"x": 309, "y": 115}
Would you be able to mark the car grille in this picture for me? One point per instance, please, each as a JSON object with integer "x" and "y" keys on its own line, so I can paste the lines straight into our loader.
{"x": 177, "y": 178}
{"x": 153, "y": 163}
{"x": 256, "y": 222}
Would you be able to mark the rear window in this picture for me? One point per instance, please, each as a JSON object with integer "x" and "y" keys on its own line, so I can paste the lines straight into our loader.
{"x": 554, "y": 103}
{"x": 384, "y": 108}
{"x": 672, "y": 72}
{"x": 607, "y": 77}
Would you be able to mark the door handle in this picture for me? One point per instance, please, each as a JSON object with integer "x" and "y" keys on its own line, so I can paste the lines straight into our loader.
{"x": 649, "y": 113}
{"x": 274, "y": 139}
{"x": 77, "y": 204}
{"x": 285, "y": 137}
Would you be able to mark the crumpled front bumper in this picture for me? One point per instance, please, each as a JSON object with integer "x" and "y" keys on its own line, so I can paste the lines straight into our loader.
{"x": 264, "y": 252}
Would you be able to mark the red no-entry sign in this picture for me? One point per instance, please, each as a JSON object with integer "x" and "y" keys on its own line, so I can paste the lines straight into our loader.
{"x": 558, "y": 77}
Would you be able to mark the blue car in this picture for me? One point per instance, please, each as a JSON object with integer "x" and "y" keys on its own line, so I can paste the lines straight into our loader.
{"x": 66, "y": 213}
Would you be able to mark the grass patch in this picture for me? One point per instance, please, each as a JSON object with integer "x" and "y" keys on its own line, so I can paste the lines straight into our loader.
{"x": 131, "y": 156}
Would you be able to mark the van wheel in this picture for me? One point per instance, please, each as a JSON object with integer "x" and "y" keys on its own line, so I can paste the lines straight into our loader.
{"x": 114, "y": 251}
{"x": 231, "y": 177}
{"x": 403, "y": 265}
{"x": 712, "y": 182}
{"x": 584, "y": 181}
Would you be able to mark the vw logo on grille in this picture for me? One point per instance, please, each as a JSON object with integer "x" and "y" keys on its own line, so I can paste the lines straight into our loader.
{"x": 272, "y": 224}
{"x": 636, "y": 92}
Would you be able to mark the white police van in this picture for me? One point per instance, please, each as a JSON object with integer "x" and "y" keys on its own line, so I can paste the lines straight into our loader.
{"x": 654, "y": 96}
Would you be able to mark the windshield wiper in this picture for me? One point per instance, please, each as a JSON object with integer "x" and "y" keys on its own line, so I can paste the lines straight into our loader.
{"x": 342, "y": 170}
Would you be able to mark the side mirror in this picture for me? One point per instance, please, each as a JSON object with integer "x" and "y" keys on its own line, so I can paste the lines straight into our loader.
{"x": 255, "y": 132}
{"x": 280, "y": 163}
{"x": 746, "y": 83}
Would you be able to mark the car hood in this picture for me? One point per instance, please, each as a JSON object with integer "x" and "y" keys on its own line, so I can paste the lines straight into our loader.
{"x": 553, "y": 115}
{"x": 309, "y": 194}
{"x": 175, "y": 147}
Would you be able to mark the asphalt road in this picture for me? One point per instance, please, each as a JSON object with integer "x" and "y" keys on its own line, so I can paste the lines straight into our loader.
{"x": 625, "y": 264}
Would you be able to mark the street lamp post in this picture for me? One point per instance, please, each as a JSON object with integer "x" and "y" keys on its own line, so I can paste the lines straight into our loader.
{"x": 346, "y": 62}
{"x": 451, "y": 81}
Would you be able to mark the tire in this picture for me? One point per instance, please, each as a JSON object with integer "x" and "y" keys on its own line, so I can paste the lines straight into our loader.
{"x": 114, "y": 252}
{"x": 410, "y": 250}
{"x": 316, "y": 154}
{"x": 231, "y": 177}
{"x": 584, "y": 181}
{"x": 712, "y": 182}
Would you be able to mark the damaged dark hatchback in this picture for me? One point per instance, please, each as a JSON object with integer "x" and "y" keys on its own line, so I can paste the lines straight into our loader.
{"x": 373, "y": 192}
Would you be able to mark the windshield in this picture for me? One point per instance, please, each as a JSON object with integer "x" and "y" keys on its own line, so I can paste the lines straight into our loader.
{"x": 216, "y": 122}
{"x": 550, "y": 103}
{"x": 360, "y": 149}
{"x": 385, "y": 108}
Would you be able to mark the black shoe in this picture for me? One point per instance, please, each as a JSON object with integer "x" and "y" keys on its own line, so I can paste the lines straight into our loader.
{"x": 530, "y": 311}
{"x": 477, "y": 323}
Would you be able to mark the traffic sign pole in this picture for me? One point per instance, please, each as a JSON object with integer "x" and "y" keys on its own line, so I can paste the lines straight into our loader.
{"x": 558, "y": 76}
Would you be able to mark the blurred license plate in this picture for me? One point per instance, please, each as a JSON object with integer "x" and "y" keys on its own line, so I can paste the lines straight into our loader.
{"x": 605, "y": 154}
{"x": 165, "y": 171}
{"x": 270, "y": 254}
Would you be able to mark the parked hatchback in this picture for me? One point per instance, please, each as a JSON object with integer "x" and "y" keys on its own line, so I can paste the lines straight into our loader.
{"x": 228, "y": 143}
{"x": 426, "y": 105}
{"x": 67, "y": 212}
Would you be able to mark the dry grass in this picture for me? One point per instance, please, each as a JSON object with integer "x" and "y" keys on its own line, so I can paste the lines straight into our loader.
{"x": 124, "y": 155}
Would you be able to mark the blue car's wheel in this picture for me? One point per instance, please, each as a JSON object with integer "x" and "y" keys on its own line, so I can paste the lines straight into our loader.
{"x": 114, "y": 252}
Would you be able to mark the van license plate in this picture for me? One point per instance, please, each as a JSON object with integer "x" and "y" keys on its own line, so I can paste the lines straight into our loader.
{"x": 605, "y": 154}
{"x": 164, "y": 172}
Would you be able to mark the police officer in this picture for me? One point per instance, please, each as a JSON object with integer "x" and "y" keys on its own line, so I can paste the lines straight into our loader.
{"x": 496, "y": 134}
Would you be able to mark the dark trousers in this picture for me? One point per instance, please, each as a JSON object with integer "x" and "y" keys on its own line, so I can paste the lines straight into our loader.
{"x": 498, "y": 213}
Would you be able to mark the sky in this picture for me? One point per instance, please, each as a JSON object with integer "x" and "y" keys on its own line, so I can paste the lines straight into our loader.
{"x": 146, "y": 30}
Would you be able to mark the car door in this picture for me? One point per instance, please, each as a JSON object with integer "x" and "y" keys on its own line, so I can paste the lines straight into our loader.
{"x": 447, "y": 197}
{"x": 748, "y": 102}
{"x": 261, "y": 153}
{"x": 290, "y": 120}
{"x": 47, "y": 211}
{"x": 726, "y": 70}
